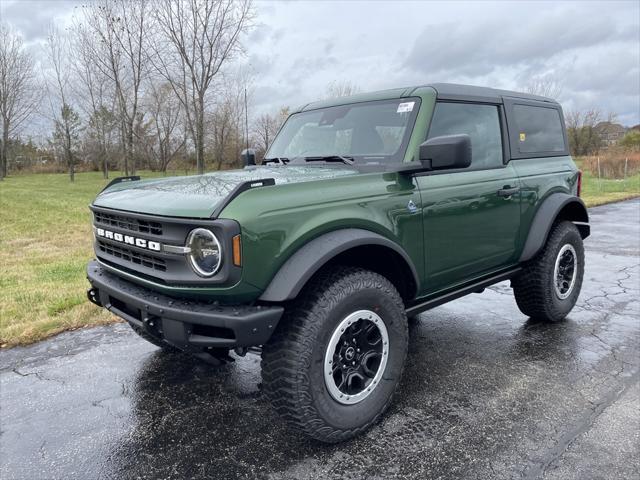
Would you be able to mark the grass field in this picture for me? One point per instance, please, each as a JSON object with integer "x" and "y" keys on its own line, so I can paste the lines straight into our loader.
{"x": 606, "y": 190}
{"x": 45, "y": 243}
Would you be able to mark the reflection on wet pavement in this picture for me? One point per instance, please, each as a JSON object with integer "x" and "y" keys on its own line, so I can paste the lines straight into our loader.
{"x": 486, "y": 394}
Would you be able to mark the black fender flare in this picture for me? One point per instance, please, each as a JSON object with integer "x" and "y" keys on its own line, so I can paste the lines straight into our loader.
{"x": 547, "y": 214}
{"x": 306, "y": 261}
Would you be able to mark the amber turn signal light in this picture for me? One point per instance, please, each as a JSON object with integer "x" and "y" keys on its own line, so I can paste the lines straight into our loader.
{"x": 237, "y": 251}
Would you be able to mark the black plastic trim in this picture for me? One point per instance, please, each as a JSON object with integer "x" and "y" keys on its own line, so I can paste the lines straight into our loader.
{"x": 471, "y": 93}
{"x": 115, "y": 181}
{"x": 544, "y": 218}
{"x": 238, "y": 189}
{"x": 251, "y": 325}
{"x": 301, "y": 266}
{"x": 460, "y": 292}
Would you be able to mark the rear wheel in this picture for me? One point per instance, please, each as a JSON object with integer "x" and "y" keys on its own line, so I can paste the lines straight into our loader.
{"x": 549, "y": 285}
{"x": 334, "y": 363}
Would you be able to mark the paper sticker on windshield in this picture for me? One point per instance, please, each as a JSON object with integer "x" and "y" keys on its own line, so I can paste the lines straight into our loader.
{"x": 405, "y": 107}
{"x": 523, "y": 137}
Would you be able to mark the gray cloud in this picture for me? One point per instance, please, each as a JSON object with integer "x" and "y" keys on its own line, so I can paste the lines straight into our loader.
{"x": 480, "y": 47}
{"x": 32, "y": 17}
{"x": 297, "y": 48}
{"x": 593, "y": 52}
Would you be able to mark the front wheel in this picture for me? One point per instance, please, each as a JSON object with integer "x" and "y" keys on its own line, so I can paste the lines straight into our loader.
{"x": 549, "y": 285}
{"x": 334, "y": 363}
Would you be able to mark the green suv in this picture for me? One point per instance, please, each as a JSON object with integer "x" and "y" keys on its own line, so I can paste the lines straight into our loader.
{"x": 366, "y": 211}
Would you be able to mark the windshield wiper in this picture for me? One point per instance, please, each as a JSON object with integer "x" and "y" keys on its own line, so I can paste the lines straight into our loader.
{"x": 280, "y": 160}
{"x": 331, "y": 158}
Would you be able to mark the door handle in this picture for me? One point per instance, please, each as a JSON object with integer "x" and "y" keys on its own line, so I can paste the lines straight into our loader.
{"x": 507, "y": 191}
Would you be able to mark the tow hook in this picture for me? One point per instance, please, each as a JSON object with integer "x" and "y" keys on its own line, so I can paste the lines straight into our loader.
{"x": 242, "y": 351}
{"x": 92, "y": 295}
{"x": 214, "y": 356}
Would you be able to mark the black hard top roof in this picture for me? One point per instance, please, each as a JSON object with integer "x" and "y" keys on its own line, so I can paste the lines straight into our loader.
{"x": 445, "y": 91}
{"x": 453, "y": 91}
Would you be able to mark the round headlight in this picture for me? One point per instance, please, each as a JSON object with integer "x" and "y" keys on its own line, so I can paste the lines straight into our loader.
{"x": 205, "y": 253}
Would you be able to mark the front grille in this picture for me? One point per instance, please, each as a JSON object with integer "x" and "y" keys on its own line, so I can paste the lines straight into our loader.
{"x": 128, "y": 223}
{"x": 133, "y": 272}
{"x": 133, "y": 256}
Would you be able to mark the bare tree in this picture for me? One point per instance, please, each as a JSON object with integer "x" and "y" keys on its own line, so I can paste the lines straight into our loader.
{"x": 19, "y": 95}
{"x": 265, "y": 128}
{"x": 98, "y": 99}
{"x": 583, "y": 137}
{"x": 118, "y": 48}
{"x": 200, "y": 37}
{"x": 341, "y": 88}
{"x": 222, "y": 130}
{"x": 166, "y": 112}
{"x": 65, "y": 118}
{"x": 545, "y": 86}
{"x": 102, "y": 126}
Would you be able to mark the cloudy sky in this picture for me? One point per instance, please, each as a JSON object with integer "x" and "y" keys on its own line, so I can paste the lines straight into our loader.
{"x": 592, "y": 49}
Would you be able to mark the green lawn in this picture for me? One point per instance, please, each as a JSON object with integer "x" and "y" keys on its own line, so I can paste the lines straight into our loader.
{"x": 608, "y": 190}
{"x": 45, "y": 242}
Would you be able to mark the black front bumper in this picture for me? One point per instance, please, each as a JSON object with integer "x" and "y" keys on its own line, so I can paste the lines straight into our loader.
{"x": 191, "y": 325}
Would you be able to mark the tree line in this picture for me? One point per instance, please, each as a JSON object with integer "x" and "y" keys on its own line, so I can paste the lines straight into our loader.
{"x": 136, "y": 84}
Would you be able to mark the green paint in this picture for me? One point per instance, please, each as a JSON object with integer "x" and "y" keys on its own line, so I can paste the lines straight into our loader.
{"x": 461, "y": 229}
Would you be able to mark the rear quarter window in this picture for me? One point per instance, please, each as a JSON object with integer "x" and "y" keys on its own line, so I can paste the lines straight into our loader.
{"x": 535, "y": 130}
{"x": 539, "y": 129}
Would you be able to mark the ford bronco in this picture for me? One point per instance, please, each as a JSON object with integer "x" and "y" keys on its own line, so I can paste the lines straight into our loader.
{"x": 365, "y": 211}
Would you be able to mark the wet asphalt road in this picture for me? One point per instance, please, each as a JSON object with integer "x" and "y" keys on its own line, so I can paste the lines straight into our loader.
{"x": 486, "y": 394}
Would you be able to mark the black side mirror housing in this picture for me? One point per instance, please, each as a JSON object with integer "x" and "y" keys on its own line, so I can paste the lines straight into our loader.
{"x": 447, "y": 151}
{"x": 248, "y": 156}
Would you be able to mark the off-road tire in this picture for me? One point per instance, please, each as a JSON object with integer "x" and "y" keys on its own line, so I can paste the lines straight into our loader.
{"x": 292, "y": 360}
{"x": 534, "y": 286}
{"x": 154, "y": 340}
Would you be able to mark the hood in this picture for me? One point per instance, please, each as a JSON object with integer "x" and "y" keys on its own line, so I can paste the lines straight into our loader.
{"x": 198, "y": 196}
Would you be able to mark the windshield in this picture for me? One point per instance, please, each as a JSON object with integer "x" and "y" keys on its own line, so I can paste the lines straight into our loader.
{"x": 366, "y": 132}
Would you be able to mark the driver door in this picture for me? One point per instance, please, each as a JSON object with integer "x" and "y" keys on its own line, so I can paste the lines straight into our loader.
{"x": 471, "y": 216}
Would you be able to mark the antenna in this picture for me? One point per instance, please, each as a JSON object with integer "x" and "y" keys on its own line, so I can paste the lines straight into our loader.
{"x": 246, "y": 118}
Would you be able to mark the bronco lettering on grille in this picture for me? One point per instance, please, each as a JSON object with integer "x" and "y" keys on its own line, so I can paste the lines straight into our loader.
{"x": 128, "y": 239}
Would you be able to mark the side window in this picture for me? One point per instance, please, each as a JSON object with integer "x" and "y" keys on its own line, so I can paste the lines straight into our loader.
{"x": 538, "y": 129}
{"x": 480, "y": 122}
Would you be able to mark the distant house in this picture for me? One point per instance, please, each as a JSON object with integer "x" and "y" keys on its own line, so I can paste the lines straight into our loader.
{"x": 610, "y": 133}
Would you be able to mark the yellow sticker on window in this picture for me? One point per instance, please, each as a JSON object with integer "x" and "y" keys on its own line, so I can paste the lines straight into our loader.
{"x": 523, "y": 137}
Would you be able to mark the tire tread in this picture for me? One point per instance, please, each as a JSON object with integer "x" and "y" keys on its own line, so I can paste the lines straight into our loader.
{"x": 285, "y": 359}
{"x": 531, "y": 287}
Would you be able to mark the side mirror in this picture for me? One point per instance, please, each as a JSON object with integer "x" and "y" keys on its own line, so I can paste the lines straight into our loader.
{"x": 248, "y": 156}
{"x": 447, "y": 151}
